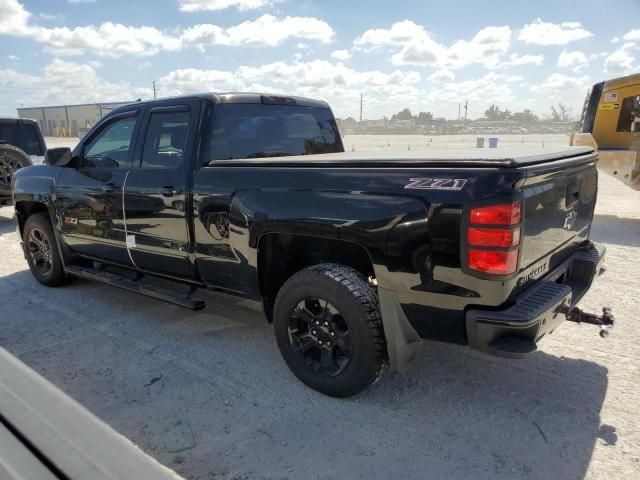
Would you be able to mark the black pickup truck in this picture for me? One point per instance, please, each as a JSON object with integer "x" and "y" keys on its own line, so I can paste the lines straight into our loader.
{"x": 355, "y": 256}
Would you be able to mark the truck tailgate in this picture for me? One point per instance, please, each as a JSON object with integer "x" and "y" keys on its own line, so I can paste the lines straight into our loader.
{"x": 558, "y": 203}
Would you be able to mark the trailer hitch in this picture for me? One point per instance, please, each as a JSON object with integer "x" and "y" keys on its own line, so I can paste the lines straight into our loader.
{"x": 604, "y": 321}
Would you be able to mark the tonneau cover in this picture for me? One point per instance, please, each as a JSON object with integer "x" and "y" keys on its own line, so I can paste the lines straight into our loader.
{"x": 431, "y": 156}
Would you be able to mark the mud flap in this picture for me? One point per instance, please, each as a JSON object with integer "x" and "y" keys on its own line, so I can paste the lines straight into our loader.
{"x": 402, "y": 340}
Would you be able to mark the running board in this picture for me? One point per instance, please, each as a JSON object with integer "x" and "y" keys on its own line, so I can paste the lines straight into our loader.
{"x": 134, "y": 286}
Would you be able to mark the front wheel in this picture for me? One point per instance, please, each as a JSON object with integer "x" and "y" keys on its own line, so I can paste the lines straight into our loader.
{"x": 329, "y": 329}
{"x": 41, "y": 251}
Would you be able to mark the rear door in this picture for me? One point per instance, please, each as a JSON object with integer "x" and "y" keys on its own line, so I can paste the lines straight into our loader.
{"x": 156, "y": 194}
{"x": 89, "y": 198}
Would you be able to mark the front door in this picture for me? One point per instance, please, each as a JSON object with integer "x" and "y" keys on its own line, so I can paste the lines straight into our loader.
{"x": 90, "y": 196}
{"x": 156, "y": 192}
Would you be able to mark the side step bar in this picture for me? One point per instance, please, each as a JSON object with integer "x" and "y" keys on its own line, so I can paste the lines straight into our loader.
{"x": 134, "y": 286}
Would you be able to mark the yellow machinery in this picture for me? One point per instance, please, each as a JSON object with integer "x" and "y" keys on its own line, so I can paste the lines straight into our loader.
{"x": 610, "y": 122}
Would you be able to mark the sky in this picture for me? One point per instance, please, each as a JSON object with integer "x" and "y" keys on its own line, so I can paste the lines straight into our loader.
{"x": 424, "y": 55}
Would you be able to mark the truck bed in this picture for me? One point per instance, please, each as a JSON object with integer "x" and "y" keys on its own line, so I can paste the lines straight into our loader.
{"x": 469, "y": 157}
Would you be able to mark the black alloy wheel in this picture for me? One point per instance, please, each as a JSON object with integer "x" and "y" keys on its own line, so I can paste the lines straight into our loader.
{"x": 39, "y": 251}
{"x": 8, "y": 166}
{"x": 320, "y": 335}
{"x": 329, "y": 330}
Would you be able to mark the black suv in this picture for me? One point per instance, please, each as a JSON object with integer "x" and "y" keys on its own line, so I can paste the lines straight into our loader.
{"x": 21, "y": 144}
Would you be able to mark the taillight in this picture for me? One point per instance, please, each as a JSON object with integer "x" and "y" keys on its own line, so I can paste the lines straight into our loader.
{"x": 498, "y": 263}
{"x": 502, "y": 214}
{"x": 493, "y": 237}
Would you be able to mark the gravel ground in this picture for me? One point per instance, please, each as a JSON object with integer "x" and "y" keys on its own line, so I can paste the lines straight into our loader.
{"x": 207, "y": 394}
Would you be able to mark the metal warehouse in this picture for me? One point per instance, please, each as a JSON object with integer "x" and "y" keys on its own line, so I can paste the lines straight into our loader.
{"x": 68, "y": 120}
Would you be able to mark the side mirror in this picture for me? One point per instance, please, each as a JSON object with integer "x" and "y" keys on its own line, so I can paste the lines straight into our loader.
{"x": 58, "y": 157}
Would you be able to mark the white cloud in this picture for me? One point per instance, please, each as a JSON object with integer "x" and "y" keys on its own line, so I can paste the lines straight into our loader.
{"x": 442, "y": 76}
{"x": 575, "y": 59}
{"x": 13, "y": 57}
{"x": 558, "y": 82}
{"x": 414, "y": 45}
{"x": 622, "y": 61}
{"x": 266, "y": 30}
{"x": 516, "y": 59}
{"x": 341, "y": 54}
{"x": 63, "y": 82}
{"x": 13, "y": 18}
{"x": 632, "y": 35}
{"x": 615, "y": 40}
{"x": 546, "y": 33}
{"x": 213, "y": 5}
{"x": 595, "y": 56}
{"x": 114, "y": 40}
{"x": 48, "y": 17}
{"x": 318, "y": 79}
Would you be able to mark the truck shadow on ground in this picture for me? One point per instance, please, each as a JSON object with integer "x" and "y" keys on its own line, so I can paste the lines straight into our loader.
{"x": 617, "y": 230}
{"x": 207, "y": 393}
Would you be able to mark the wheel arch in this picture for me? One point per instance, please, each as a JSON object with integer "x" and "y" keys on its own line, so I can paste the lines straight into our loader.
{"x": 25, "y": 208}
{"x": 280, "y": 255}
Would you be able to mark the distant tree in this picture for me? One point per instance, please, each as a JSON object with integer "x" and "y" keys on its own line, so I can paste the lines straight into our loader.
{"x": 424, "y": 118}
{"x": 494, "y": 113}
{"x": 526, "y": 116}
{"x": 561, "y": 114}
{"x": 403, "y": 115}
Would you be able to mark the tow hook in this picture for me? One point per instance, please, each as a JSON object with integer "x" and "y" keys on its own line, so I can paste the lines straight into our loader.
{"x": 604, "y": 321}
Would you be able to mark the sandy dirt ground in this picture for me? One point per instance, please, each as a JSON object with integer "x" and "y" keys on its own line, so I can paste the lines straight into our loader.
{"x": 207, "y": 394}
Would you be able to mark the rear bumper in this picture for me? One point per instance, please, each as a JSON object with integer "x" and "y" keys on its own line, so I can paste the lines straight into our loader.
{"x": 538, "y": 311}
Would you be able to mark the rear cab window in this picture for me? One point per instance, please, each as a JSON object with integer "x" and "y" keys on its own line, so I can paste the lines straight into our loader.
{"x": 255, "y": 130}
{"x": 166, "y": 139}
{"x": 21, "y": 135}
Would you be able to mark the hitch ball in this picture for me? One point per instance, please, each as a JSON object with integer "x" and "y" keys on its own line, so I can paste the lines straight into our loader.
{"x": 604, "y": 321}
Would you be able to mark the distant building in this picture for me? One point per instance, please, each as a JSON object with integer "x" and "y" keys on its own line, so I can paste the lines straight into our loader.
{"x": 68, "y": 120}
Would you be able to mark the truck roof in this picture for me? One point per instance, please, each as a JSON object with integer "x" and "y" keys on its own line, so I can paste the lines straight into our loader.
{"x": 499, "y": 157}
{"x": 242, "y": 97}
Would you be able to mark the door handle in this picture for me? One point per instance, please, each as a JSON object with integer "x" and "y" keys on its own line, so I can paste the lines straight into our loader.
{"x": 573, "y": 194}
{"x": 171, "y": 191}
{"x": 108, "y": 188}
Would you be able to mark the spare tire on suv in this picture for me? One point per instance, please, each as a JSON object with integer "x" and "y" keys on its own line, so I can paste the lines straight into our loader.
{"x": 11, "y": 159}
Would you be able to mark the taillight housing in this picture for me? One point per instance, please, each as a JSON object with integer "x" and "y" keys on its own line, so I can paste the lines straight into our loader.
{"x": 493, "y": 238}
{"x": 500, "y": 214}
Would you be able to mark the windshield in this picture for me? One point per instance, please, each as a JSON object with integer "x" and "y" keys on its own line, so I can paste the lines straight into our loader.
{"x": 247, "y": 130}
{"x": 22, "y": 136}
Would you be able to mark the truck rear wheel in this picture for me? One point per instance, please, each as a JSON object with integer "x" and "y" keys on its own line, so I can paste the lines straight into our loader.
{"x": 41, "y": 251}
{"x": 329, "y": 329}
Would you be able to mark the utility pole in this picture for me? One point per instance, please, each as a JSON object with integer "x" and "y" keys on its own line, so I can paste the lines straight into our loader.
{"x": 154, "y": 89}
{"x": 466, "y": 106}
{"x": 360, "y": 107}
{"x": 458, "y": 111}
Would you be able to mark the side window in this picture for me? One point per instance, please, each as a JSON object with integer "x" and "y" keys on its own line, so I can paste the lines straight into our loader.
{"x": 166, "y": 140}
{"x": 110, "y": 148}
{"x": 629, "y": 120}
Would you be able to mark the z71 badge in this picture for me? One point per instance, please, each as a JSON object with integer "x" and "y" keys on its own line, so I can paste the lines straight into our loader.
{"x": 436, "y": 183}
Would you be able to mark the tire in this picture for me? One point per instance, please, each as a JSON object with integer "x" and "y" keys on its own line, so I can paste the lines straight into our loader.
{"x": 353, "y": 329}
{"x": 11, "y": 159}
{"x": 41, "y": 251}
